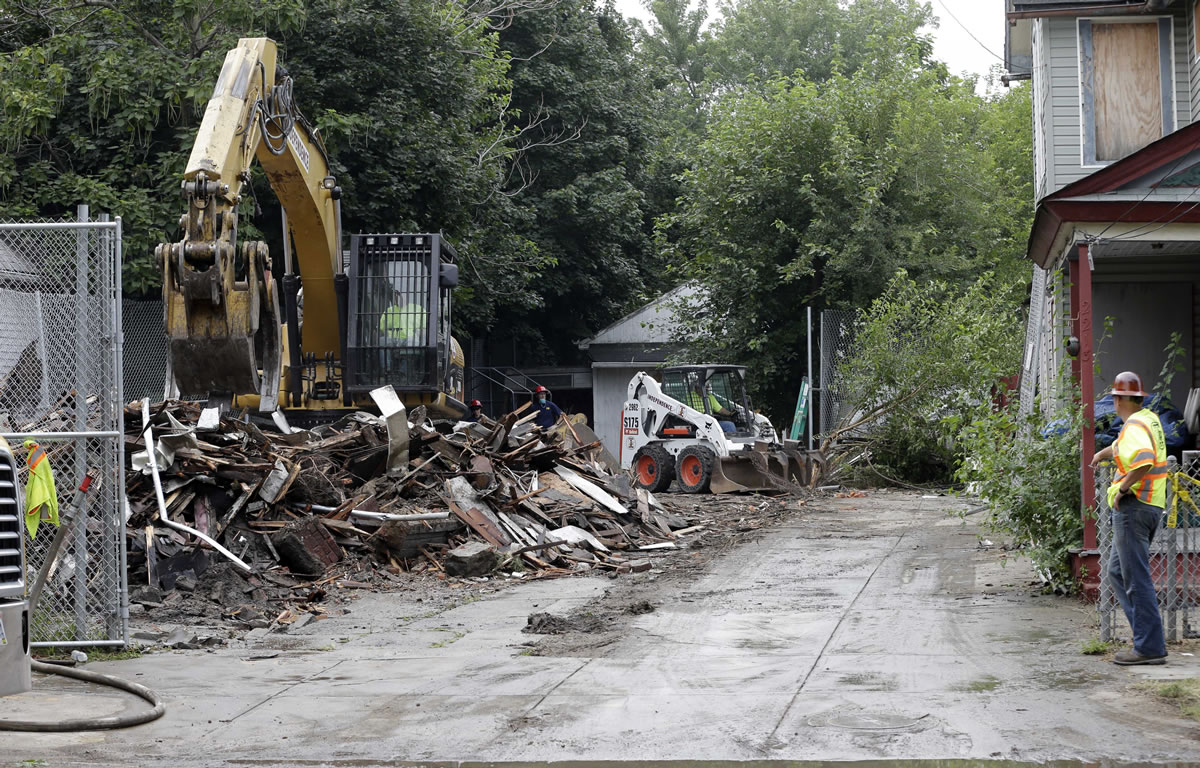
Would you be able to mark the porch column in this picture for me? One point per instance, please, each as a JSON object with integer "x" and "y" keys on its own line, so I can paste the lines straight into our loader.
{"x": 1082, "y": 370}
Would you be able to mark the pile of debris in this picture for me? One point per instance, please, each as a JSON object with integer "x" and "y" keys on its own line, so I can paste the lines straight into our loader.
{"x": 224, "y": 505}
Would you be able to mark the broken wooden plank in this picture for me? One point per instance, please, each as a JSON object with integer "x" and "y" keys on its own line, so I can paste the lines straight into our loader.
{"x": 469, "y": 508}
{"x": 595, "y": 492}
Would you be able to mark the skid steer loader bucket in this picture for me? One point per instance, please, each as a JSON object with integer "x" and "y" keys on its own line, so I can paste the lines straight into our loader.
{"x": 764, "y": 469}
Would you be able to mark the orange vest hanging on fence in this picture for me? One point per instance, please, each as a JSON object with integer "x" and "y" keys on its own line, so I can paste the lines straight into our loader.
{"x": 41, "y": 499}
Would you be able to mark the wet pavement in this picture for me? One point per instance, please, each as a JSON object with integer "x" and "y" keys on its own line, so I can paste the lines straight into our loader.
{"x": 877, "y": 630}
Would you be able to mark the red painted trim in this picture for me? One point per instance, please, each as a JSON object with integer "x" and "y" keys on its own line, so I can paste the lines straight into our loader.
{"x": 1151, "y": 157}
{"x": 1048, "y": 221}
{"x": 1087, "y": 391}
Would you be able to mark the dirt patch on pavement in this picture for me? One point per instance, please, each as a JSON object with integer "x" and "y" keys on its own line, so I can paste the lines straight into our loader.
{"x": 549, "y": 624}
{"x": 728, "y": 522}
{"x": 229, "y": 605}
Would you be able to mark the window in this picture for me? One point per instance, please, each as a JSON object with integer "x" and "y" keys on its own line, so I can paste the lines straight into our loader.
{"x": 1195, "y": 29}
{"x": 1126, "y": 79}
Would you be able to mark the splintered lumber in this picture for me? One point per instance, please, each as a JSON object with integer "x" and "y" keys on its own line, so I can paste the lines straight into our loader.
{"x": 469, "y": 508}
{"x": 320, "y": 507}
{"x": 237, "y": 507}
{"x": 592, "y": 490}
{"x": 553, "y": 484}
{"x": 570, "y": 534}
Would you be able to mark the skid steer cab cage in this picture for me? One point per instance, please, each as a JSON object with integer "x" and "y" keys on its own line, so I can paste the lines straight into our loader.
{"x": 399, "y": 325}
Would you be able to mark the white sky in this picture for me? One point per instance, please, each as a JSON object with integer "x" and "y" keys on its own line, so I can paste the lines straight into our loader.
{"x": 952, "y": 39}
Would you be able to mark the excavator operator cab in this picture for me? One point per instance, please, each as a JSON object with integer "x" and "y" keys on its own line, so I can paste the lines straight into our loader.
{"x": 399, "y": 313}
{"x": 716, "y": 390}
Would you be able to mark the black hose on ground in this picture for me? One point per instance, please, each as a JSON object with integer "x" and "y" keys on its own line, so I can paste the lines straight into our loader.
{"x": 91, "y": 723}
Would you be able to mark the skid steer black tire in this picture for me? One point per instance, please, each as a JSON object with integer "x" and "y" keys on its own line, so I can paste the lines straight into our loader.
{"x": 653, "y": 468}
{"x": 694, "y": 468}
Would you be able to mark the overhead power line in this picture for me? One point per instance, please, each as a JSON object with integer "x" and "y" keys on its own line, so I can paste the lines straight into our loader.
{"x": 969, "y": 32}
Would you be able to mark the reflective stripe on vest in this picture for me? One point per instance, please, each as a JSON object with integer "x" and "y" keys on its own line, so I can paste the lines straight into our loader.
{"x": 1146, "y": 487}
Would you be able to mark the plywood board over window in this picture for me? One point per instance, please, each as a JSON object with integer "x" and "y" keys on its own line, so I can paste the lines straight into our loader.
{"x": 1126, "y": 86}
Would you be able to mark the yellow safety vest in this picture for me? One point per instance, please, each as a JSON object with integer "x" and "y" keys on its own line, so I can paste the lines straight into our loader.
{"x": 41, "y": 500}
{"x": 1143, "y": 443}
{"x": 696, "y": 402}
{"x": 406, "y": 323}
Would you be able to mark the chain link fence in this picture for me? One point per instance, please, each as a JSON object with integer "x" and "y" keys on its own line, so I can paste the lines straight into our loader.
{"x": 60, "y": 386}
{"x": 1174, "y": 554}
{"x": 837, "y": 344}
{"x": 145, "y": 349}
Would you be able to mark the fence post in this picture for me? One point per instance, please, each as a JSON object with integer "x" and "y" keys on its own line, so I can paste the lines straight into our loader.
{"x": 1170, "y": 556}
{"x": 81, "y": 410}
{"x": 1104, "y": 543}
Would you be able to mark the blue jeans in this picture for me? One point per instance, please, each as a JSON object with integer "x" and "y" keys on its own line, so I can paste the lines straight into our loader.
{"x": 1134, "y": 524}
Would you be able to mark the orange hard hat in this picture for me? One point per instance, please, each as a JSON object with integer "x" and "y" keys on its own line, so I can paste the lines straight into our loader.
{"x": 1128, "y": 384}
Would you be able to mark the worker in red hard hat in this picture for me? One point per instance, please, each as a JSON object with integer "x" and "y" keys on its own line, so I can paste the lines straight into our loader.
{"x": 547, "y": 412}
{"x": 475, "y": 412}
{"x": 1136, "y": 498}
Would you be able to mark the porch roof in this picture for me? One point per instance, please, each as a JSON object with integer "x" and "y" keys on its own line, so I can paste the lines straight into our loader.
{"x": 1154, "y": 186}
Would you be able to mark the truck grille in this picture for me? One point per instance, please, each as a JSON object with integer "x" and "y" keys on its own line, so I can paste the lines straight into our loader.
{"x": 12, "y": 543}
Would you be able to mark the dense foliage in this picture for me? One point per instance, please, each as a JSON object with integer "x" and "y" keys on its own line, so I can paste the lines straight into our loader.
{"x": 1029, "y": 477}
{"x": 780, "y": 153}
{"x": 587, "y": 138}
{"x": 928, "y": 359}
{"x": 815, "y": 193}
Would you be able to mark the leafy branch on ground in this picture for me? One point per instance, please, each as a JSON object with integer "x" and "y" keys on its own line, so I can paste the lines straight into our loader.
{"x": 1026, "y": 469}
{"x": 926, "y": 357}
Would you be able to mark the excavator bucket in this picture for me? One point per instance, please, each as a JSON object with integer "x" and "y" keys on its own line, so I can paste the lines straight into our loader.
{"x": 763, "y": 469}
{"x": 224, "y": 339}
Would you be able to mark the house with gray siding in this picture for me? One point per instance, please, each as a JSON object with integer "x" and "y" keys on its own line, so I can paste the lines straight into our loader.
{"x": 644, "y": 340}
{"x": 1115, "y": 240}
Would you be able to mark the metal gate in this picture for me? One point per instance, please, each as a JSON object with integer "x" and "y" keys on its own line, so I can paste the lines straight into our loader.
{"x": 1174, "y": 554}
{"x": 145, "y": 349}
{"x": 60, "y": 385}
{"x": 837, "y": 343}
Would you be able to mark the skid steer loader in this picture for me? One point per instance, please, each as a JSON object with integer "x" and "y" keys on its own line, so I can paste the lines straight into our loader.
{"x": 698, "y": 429}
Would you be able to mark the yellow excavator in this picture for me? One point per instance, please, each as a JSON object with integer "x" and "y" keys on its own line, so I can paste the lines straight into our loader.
{"x": 353, "y": 319}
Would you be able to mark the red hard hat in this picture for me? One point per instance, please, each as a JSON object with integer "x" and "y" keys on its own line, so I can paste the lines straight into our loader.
{"x": 476, "y": 404}
{"x": 540, "y": 389}
{"x": 1128, "y": 384}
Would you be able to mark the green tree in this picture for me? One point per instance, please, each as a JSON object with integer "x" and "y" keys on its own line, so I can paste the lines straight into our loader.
{"x": 756, "y": 41}
{"x": 587, "y": 130}
{"x": 816, "y": 193}
{"x": 102, "y": 100}
{"x": 926, "y": 358}
{"x": 413, "y": 100}
{"x": 99, "y": 101}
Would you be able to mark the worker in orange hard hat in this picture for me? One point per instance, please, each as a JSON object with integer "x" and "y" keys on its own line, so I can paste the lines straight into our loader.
{"x": 547, "y": 411}
{"x": 1136, "y": 498}
{"x": 476, "y": 411}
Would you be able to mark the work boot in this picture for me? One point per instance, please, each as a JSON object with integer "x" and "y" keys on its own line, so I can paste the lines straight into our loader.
{"x": 1130, "y": 657}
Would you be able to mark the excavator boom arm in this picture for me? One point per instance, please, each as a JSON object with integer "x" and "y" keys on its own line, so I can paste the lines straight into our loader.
{"x": 222, "y": 312}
